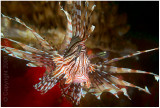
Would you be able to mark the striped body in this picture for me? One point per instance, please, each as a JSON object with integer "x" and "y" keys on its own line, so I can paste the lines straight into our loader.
{"x": 70, "y": 65}
{"x": 75, "y": 67}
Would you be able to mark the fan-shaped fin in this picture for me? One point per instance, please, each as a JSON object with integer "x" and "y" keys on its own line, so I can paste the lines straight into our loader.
{"x": 26, "y": 47}
{"x": 34, "y": 59}
{"x": 156, "y": 78}
{"x": 73, "y": 91}
{"x": 68, "y": 35}
{"x": 101, "y": 84}
{"x": 78, "y": 18}
{"x": 45, "y": 45}
{"x": 25, "y": 55}
{"x": 125, "y": 92}
{"x": 88, "y": 28}
{"x": 118, "y": 81}
{"x": 103, "y": 81}
{"x": 46, "y": 83}
{"x": 113, "y": 69}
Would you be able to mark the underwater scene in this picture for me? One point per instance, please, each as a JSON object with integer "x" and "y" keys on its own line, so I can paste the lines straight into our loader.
{"x": 79, "y": 53}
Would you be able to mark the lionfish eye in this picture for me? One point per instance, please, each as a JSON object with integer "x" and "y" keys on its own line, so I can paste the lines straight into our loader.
{"x": 103, "y": 54}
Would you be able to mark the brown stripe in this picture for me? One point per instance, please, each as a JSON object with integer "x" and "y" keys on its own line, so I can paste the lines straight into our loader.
{"x": 78, "y": 7}
{"x": 132, "y": 70}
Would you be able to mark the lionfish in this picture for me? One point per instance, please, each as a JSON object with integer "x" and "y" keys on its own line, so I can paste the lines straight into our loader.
{"x": 70, "y": 65}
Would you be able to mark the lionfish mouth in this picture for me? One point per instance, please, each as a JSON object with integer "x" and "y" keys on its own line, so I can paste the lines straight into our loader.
{"x": 70, "y": 65}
